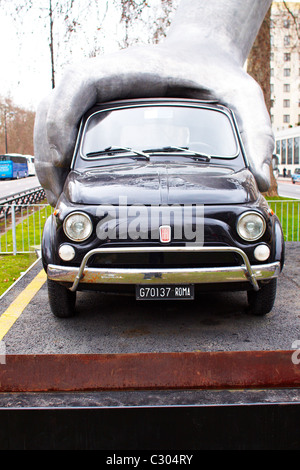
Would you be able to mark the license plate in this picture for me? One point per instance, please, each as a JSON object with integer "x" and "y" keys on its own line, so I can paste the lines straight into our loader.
{"x": 173, "y": 292}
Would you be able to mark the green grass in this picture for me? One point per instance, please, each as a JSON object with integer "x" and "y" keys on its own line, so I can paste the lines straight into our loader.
{"x": 288, "y": 212}
{"x": 29, "y": 226}
{"x": 12, "y": 268}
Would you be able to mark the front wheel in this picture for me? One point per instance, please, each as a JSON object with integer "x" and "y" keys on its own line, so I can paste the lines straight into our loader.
{"x": 261, "y": 302}
{"x": 61, "y": 300}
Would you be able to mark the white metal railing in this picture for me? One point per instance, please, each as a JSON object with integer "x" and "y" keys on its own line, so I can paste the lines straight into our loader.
{"x": 288, "y": 212}
{"x": 21, "y": 226}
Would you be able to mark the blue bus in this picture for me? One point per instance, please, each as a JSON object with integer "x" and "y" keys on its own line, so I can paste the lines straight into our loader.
{"x": 13, "y": 166}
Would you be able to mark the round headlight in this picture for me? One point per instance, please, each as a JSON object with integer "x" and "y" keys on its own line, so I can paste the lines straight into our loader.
{"x": 78, "y": 226}
{"x": 251, "y": 226}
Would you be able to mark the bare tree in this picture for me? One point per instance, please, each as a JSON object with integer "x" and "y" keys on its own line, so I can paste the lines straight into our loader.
{"x": 61, "y": 18}
{"x": 131, "y": 11}
{"x": 16, "y": 128}
{"x": 163, "y": 20}
{"x": 258, "y": 66}
{"x": 294, "y": 18}
{"x": 144, "y": 23}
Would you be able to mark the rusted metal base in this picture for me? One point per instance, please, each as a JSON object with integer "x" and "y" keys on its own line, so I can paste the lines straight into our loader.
{"x": 156, "y": 371}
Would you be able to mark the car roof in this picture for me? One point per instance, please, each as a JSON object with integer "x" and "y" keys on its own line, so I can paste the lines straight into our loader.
{"x": 215, "y": 104}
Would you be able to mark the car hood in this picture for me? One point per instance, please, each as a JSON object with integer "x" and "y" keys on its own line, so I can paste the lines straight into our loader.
{"x": 161, "y": 184}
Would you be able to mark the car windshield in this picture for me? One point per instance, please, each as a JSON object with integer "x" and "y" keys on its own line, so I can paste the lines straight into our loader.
{"x": 297, "y": 171}
{"x": 158, "y": 129}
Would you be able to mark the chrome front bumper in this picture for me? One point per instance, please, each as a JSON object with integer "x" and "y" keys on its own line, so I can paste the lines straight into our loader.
{"x": 243, "y": 273}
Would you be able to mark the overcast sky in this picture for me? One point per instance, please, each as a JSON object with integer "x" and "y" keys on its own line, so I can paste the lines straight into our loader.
{"x": 25, "y": 54}
{"x": 25, "y": 74}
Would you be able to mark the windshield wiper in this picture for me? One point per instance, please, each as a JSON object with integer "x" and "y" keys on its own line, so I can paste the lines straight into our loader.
{"x": 171, "y": 148}
{"x": 112, "y": 150}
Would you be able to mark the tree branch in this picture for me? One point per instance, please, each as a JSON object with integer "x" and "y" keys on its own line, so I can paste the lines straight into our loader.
{"x": 293, "y": 16}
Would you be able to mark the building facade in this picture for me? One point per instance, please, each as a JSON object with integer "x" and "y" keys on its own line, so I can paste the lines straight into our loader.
{"x": 287, "y": 148}
{"x": 285, "y": 65}
{"x": 285, "y": 83}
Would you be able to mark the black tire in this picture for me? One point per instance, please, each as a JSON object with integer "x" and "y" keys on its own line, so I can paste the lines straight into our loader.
{"x": 62, "y": 300}
{"x": 261, "y": 302}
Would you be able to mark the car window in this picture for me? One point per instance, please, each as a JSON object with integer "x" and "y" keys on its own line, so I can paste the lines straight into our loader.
{"x": 157, "y": 128}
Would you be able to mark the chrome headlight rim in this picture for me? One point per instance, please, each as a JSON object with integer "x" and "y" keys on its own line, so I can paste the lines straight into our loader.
{"x": 87, "y": 217}
{"x": 251, "y": 213}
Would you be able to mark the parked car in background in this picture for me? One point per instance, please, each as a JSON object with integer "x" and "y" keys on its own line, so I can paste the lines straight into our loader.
{"x": 296, "y": 176}
{"x": 160, "y": 202}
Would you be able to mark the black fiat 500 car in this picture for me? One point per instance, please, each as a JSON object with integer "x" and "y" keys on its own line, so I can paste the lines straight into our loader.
{"x": 160, "y": 201}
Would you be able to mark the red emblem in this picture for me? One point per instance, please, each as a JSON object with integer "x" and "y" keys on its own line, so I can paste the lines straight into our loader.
{"x": 165, "y": 233}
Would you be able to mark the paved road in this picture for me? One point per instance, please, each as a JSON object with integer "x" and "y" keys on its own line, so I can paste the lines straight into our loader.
{"x": 9, "y": 187}
{"x": 288, "y": 189}
{"x": 119, "y": 324}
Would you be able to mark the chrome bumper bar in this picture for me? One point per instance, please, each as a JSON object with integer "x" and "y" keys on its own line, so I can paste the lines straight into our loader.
{"x": 84, "y": 274}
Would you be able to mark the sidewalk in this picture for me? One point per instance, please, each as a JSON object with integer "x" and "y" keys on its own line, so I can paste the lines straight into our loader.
{"x": 287, "y": 179}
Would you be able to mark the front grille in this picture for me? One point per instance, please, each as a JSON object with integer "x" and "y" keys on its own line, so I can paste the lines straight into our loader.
{"x": 165, "y": 260}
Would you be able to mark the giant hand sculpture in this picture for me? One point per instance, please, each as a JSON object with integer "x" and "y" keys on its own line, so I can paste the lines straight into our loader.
{"x": 202, "y": 57}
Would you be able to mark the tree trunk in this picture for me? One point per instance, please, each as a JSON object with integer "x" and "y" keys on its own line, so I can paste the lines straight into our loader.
{"x": 258, "y": 67}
